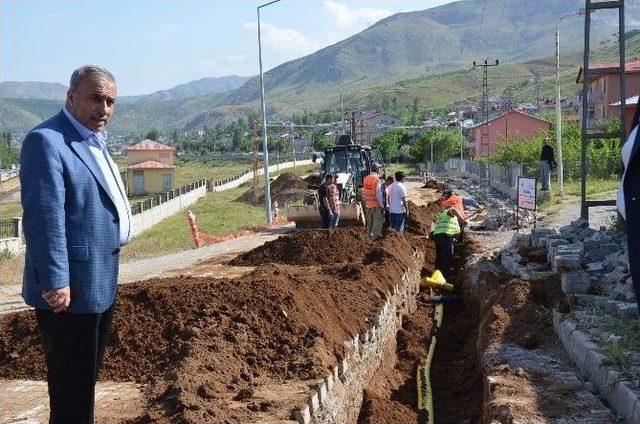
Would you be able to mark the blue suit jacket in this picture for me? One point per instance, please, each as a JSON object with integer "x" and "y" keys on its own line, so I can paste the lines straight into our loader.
{"x": 631, "y": 185}
{"x": 70, "y": 220}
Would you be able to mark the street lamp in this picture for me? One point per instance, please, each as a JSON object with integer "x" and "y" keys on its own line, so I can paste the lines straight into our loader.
{"x": 558, "y": 103}
{"x": 265, "y": 150}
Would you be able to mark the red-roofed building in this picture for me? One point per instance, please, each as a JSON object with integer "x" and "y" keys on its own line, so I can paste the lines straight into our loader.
{"x": 150, "y": 168}
{"x": 484, "y": 139}
{"x": 604, "y": 88}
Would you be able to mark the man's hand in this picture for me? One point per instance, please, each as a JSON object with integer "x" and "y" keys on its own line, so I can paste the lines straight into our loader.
{"x": 58, "y": 299}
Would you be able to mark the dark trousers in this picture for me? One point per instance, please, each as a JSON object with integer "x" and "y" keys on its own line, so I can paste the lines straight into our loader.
{"x": 325, "y": 217}
{"x": 74, "y": 346}
{"x": 444, "y": 254}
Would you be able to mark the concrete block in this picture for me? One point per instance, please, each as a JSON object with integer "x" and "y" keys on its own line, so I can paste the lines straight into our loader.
{"x": 566, "y": 262}
{"x": 342, "y": 367}
{"x": 593, "y": 368}
{"x": 314, "y": 403}
{"x": 623, "y": 399}
{"x": 578, "y": 347}
{"x": 303, "y": 415}
{"x": 595, "y": 267}
{"x": 575, "y": 282}
{"x": 328, "y": 382}
{"x": 336, "y": 373}
{"x": 321, "y": 390}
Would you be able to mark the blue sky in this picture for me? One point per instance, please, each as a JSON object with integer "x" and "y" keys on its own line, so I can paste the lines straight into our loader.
{"x": 151, "y": 45}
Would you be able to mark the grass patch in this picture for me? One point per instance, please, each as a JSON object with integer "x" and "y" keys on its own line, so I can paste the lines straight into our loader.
{"x": 189, "y": 172}
{"x": 407, "y": 168}
{"x": 11, "y": 268}
{"x": 10, "y": 210}
{"x": 217, "y": 214}
{"x": 595, "y": 187}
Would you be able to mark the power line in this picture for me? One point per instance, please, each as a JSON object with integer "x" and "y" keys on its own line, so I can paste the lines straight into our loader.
{"x": 484, "y": 4}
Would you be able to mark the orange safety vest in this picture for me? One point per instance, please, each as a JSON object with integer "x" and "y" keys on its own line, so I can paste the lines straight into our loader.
{"x": 455, "y": 202}
{"x": 370, "y": 184}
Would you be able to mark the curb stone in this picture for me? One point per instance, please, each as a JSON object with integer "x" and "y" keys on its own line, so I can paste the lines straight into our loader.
{"x": 622, "y": 399}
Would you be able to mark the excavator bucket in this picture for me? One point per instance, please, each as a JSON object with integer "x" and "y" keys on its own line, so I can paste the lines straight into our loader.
{"x": 308, "y": 216}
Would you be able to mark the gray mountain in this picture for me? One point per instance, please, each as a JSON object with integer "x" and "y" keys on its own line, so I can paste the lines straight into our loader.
{"x": 441, "y": 39}
{"x": 32, "y": 90}
{"x": 201, "y": 87}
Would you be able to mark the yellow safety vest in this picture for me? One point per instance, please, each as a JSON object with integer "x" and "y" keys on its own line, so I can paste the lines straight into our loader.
{"x": 447, "y": 224}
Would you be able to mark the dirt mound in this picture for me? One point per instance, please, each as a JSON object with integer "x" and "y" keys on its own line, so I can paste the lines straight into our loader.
{"x": 432, "y": 184}
{"x": 313, "y": 180}
{"x": 322, "y": 247}
{"x": 287, "y": 188}
{"x": 421, "y": 217}
{"x": 205, "y": 346}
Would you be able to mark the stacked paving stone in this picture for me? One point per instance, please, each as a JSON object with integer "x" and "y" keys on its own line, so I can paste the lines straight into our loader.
{"x": 590, "y": 261}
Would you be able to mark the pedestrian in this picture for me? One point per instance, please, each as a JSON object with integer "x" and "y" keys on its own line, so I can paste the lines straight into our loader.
{"x": 324, "y": 192}
{"x": 447, "y": 229}
{"x": 398, "y": 207}
{"x": 373, "y": 202}
{"x": 628, "y": 201}
{"x": 334, "y": 203}
{"x": 547, "y": 163}
{"x": 385, "y": 198}
{"x": 76, "y": 217}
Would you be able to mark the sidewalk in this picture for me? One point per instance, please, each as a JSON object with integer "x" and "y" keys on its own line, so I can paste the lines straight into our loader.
{"x": 11, "y": 299}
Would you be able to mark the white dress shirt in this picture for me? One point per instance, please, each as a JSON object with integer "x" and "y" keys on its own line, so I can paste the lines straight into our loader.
{"x": 98, "y": 147}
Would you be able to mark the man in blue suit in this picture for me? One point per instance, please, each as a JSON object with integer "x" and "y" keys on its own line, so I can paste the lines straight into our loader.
{"x": 629, "y": 199}
{"x": 76, "y": 217}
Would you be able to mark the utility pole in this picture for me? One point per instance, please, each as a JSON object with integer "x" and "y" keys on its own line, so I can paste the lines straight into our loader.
{"x": 265, "y": 149}
{"x": 485, "y": 100}
{"x": 559, "y": 104}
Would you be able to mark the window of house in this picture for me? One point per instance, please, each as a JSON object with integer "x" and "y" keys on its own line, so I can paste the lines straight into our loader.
{"x": 166, "y": 182}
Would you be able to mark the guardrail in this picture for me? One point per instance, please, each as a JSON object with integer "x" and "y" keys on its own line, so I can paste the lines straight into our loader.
{"x": 158, "y": 200}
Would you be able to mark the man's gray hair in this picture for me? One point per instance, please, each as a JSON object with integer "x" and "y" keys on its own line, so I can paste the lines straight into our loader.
{"x": 89, "y": 71}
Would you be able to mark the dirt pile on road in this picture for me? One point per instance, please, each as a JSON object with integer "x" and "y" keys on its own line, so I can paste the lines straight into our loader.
{"x": 287, "y": 188}
{"x": 212, "y": 350}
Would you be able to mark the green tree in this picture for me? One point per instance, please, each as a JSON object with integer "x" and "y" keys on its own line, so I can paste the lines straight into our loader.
{"x": 320, "y": 141}
{"x": 153, "y": 134}
{"x": 388, "y": 143}
{"x": 446, "y": 144}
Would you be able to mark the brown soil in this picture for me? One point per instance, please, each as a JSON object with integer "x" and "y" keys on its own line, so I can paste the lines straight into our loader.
{"x": 391, "y": 395}
{"x": 220, "y": 350}
{"x": 207, "y": 346}
{"x": 287, "y": 188}
{"x": 420, "y": 217}
{"x": 313, "y": 180}
{"x": 520, "y": 312}
{"x": 432, "y": 184}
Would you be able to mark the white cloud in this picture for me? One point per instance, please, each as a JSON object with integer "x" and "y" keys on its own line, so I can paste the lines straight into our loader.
{"x": 230, "y": 64}
{"x": 281, "y": 44}
{"x": 350, "y": 21}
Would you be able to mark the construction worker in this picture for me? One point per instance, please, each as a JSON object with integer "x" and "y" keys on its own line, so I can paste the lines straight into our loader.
{"x": 324, "y": 191}
{"x": 373, "y": 202}
{"x": 451, "y": 200}
{"x": 448, "y": 227}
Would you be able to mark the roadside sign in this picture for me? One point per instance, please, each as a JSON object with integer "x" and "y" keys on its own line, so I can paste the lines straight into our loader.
{"x": 527, "y": 193}
{"x": 526, "y": 198}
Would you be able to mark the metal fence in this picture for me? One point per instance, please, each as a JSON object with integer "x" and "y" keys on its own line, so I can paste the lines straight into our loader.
{"x": 7, "y": 228}
{"x": 147, "y": 204}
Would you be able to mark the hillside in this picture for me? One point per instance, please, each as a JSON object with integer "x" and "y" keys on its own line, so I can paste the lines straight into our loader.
{"x": 32, "y": 90}
{"x": 422, "y": 43}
